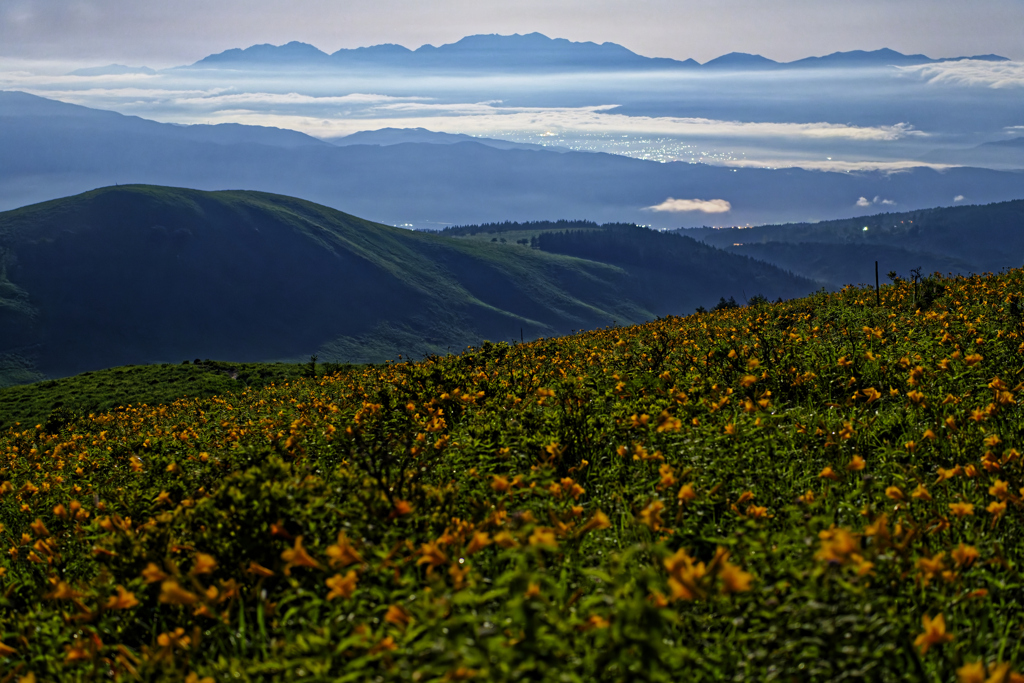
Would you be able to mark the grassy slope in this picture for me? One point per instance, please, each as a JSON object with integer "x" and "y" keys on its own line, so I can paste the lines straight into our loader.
{"x": 55, "y": 402}
{"x": 141, "y": 274}
{"x": 814, "y": 490}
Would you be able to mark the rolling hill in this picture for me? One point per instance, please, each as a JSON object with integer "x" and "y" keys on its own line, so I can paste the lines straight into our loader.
{"x": 142, "y": 274}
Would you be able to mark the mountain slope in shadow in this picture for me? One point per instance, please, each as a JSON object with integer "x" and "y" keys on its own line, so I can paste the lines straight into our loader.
{"x": 142, "y": 274}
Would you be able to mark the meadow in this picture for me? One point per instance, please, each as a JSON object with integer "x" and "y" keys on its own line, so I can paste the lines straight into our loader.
{"x": 827, "y": 488}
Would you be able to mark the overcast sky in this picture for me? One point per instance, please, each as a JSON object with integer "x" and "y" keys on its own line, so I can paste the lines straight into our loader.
{"x": 159, "y": 34}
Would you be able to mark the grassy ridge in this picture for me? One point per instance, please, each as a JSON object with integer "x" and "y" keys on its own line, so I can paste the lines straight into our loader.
{"x": 813, "y": 490}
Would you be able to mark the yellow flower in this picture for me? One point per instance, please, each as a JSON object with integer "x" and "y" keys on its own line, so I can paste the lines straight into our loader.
{"x": 971, "y": 672}
{"x": 6, "y": 650}
{"x": 921, "y": 493}
{"x": 342, "y": 586}
{"x": 961, "y": 509}
{"x": 651, "y": 515}
{"x": 402, "y": 508}
{"x": 598, "y": 521}
{"x": 1000, "y": 489}
{"x": 458, "y": 574}
{"x": 894, "y": 493}
{"x": 836, "y": 545}
{"x": 734, "y": 579}
{"x": 123, "y": 599}
{"x": 259, "y": 570}
{"x": 152, "y": 573}
{"x": 828, "y": 473}
{"x": 684, "y": 575}
{"x": 204, "y": 564}
{"x": 386, "y": 645}
{"x": 397, "y": 616}
{"x": 342, "y": 553}
{"x": 686, "y": 493}
{"x": 480, "y": 540}
{"x": 856, "y": 464}
{"x": 63, "y": 592}
{"x": 172, "y": 593}
{"x": 931, "y": 566}
{"x": 532, "y": 591}
{"x": 505, "y": 539}
{"x": 996, "y": 509}
{"x": 542, "y": 536}
{"x": 297, "y": 556}
{"x": 934, "y": 633}
{"x": 667, "y": 477}
{"x": 965, "y": 555}
{"x": 431, "y": 555}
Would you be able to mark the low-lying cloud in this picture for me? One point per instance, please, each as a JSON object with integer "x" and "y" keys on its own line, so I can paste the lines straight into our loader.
{"x": 864, "y": 201}
{"x": 671, "y": 205}
{"x": 830, "y": 165}
{"x": 971, "y": 72}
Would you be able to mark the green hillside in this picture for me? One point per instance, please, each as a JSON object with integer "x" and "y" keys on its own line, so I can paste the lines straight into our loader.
{"x": 961, "y": 239}
{"x": 135, "y": 275}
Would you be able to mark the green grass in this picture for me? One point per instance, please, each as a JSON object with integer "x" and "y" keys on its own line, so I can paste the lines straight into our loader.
{"x": 53, "y": 403}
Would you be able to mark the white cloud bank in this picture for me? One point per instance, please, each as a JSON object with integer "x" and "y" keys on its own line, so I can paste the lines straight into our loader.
{"x": 830, "y": 165}
{"x": 971, "y": 72}
{"x": 671, "y": 205}
{"x": 482, "y": 118}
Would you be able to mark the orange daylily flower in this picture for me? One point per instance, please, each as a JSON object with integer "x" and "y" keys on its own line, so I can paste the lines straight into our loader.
{"x": 123, "y": 600}
{"x": 296, "y": 556}
{"x": 342, "y": 586}
{"x": 934, "y": 633}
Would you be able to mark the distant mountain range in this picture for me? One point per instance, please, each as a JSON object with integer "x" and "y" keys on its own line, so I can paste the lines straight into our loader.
{"x": 533, "y": 51}
{"x": 51, "y": 149}
{"x": 529, "y": 52}
{"x": 143, "y": 274}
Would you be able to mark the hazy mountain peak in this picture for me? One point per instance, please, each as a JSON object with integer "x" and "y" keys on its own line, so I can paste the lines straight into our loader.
{"x": 881, "y": 57}
{"x": 741, "y": 60}
{"x": 294, "y": 51}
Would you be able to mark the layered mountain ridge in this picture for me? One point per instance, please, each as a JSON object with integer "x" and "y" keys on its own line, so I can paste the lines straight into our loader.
{"x": 527, "y": 52}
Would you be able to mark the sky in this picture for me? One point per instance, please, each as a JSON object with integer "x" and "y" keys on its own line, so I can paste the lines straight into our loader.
{"x": 160, "y": 34}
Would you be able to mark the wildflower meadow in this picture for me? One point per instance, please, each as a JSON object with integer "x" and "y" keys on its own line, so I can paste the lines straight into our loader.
{"x": 828, "y": 488}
